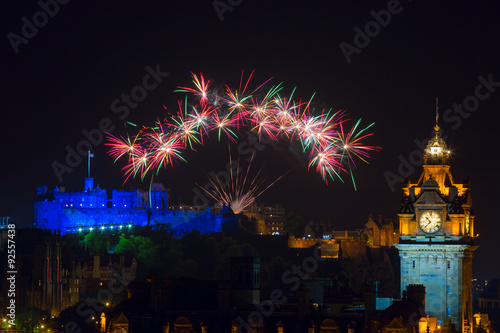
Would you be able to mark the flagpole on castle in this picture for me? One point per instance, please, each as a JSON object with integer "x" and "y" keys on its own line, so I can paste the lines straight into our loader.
{"x": 90, "y": 155}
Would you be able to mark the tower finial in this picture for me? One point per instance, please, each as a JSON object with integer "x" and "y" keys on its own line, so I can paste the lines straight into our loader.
{"x": 436, "y": 128}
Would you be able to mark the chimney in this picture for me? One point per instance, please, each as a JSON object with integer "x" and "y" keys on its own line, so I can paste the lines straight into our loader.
{"x": 303, "y": 301}
{"x": 416, "y": 293}
{"x": 370, "y": 296}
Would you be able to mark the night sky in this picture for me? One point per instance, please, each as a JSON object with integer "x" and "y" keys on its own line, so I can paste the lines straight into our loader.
{"x": 64, "y": 78}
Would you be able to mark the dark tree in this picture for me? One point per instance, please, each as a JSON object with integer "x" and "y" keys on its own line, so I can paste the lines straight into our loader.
{"x": 294, "y": 224}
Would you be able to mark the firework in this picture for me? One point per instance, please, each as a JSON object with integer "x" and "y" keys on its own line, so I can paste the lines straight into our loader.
{"x": 241, "y": 189}
{"x": 332, "y": 149}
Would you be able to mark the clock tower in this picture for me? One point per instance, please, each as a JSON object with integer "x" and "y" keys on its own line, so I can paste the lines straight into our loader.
{"x": 436, "y": 226}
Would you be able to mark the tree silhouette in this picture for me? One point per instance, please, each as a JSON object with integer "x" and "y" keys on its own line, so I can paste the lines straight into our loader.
{"x": 294, "y": 224}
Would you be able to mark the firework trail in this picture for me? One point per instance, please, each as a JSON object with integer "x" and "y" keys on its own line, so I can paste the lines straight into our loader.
{"x": 241, "y": 189}
{"x": 331, "y": 149}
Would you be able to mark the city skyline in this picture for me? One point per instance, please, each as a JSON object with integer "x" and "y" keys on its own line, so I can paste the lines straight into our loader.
{"x": 64, "y": 80}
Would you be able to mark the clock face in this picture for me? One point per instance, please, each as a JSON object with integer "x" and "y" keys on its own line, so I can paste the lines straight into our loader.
{"x": 430, "y": 221}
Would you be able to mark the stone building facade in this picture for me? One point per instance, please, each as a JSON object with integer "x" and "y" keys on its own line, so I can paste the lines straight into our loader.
{"x": 436, "y": 227}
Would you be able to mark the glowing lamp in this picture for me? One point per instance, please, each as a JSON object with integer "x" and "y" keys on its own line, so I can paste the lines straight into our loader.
{"x": 435, "y": 150}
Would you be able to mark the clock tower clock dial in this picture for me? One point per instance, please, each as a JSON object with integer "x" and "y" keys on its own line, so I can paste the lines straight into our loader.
{"x": 430, "y": 221}
{"x": 436, "y": 237}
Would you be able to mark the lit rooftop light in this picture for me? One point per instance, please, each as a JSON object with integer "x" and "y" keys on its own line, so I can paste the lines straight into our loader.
{"x": 435, "y": 150}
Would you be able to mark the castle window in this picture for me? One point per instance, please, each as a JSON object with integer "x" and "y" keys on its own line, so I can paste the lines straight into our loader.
{"x": 413, "y": 263}
{"x": 449, "y": 289}
{"x": 449, "y": 264}
{"x": 449, "y": 312}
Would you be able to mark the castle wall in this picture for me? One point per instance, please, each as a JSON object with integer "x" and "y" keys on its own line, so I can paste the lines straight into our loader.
{"x": 91, "y": 210}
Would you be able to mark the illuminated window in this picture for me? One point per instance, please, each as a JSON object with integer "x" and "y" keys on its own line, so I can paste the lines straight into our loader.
{"x": 435, "y": 150}
{"x": 449, "y": 311}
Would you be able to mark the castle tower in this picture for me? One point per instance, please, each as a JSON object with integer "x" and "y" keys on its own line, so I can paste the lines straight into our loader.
{"x": 437, "y": 237}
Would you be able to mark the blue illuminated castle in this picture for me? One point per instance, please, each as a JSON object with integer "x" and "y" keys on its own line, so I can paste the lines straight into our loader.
{"x": 92, "y": 210}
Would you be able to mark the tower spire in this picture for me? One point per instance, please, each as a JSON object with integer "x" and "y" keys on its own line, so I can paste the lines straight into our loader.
{"x": 436, "y": 128}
